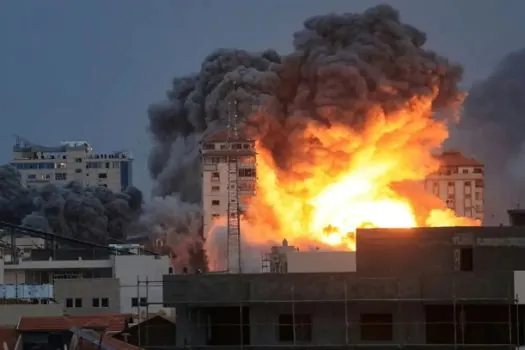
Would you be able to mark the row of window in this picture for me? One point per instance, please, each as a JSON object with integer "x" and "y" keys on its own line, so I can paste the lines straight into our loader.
{"x": 95, "y": 302}
{"x": 243, "y": 172}
{"x": 298, "y": 328}
{"x": 245, "y": 160}
{"x": 102, "y": 302}
{"x": 62, "y": 165}
{"x": 455, "y": 170}
{"x": 242, "y": 186}
{"x": 223, "y": 146}
{"x": 61, "y": 176}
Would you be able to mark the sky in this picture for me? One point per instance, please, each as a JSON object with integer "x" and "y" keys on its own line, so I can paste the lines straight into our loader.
{"x": 87, "y": 70}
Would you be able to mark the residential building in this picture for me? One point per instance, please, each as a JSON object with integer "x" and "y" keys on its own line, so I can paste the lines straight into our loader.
{"x": 459, "y": 183}
{"x": 87, "y": 281}
{"x": 71, "y": 161}
{"x": 216, "y": 180}
{"x": 422, "y": 287}
{"x": 88, "y": 296}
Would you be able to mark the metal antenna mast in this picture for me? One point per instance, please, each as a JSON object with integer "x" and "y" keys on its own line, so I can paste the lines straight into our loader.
{"x": 233, "y": 228}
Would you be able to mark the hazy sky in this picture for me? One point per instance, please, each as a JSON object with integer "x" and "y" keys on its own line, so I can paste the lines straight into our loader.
{"x": 87, "y": 70}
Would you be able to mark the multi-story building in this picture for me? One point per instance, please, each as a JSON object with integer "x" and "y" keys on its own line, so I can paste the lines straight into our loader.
{"x": 459, "y": 183}
{"x": 215, "y": 174}
{"x": 71, "y": 160}
{"x": 439, "y": 288}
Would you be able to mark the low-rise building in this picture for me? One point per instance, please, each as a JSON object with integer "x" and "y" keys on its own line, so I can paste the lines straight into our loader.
{"x": 423, "y": 287}
{"x": 86, "y": 281}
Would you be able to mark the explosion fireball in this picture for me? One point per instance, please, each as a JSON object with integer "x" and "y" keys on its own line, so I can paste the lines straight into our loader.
{"x": 345, "y": 128}
{"x": 352, "y": 185}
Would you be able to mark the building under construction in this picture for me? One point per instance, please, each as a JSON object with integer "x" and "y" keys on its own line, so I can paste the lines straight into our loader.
{"x": 444, "y": 288}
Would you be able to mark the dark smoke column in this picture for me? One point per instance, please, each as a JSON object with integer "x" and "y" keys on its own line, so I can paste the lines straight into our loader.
{"x": 344, "y": 67}
{"x": 492, "y": 130}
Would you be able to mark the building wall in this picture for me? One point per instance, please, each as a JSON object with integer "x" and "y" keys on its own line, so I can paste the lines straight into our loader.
{"x": 10, "y": 313}
{"x": 91, "y": 292}
{"x": 215, "y": 179}
{"x": 134, "y": 268}
{"x": 41, "y": 165}
{"x": 331, "y": 323}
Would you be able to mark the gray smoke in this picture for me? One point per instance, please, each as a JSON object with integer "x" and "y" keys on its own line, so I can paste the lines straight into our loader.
{"x": 491, "y": 130}
{"x": 343, "y": 65}
{"x": 93, "y": 214}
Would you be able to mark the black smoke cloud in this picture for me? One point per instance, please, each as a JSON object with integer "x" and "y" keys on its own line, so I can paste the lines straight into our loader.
{"x": 342, "y": 66}
{"x": 91, "y": 214}
{"x": 491, "y": 130}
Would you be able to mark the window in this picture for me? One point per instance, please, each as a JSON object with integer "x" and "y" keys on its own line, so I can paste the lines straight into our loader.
{"x": 95, "y": 302}
{"x": 31, "y": 177}
{"x": 376, "y": 327}
{"x": 78, "y": 160}
{"x": 170, "y": 270}
{"x": 478, "y": 196}
{"x": 215, "y": 188}
{"x": 247, "y": 172}
{"x": 215, "y": 176}
{"x": 78, "y": 302}
{"x": 215, "y": 202}
{"x": 466, "y": 259}
{"x": 479, "y": 184}
{"x": 69, "y": 302}
{"x": 215, "y": 216}
{"x": 208, "y": 146}
{"x": 300, "y": 324}
{"x": 478, "y": 170}
{"x": 78, "y": 171}
{"x": 107, "y": 165}
{"x": 60, "y": 176}
{"x": 464, "y": 171}
{"x": 102, "y": 176}
{"x": 104, "y": 302}
{"x": 115, "y": 165}
{"x": 135, "y": 302}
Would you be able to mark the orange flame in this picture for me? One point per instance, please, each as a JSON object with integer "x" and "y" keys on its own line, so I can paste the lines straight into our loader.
{"x": 350, "y": 179}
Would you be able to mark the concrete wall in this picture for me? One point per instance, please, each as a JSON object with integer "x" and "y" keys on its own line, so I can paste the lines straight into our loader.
{"x": 332, "y": 323}
{"x": 87, "y": 290}
{"x": 130, "y": 269}
{"x": 10, "y": 313}
{"x": 317, "y": 261}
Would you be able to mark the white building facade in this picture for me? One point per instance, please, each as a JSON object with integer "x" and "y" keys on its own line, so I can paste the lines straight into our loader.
{"x": 215, "y": 179}
{"x": 71, "y": 161}
{"x": 460, "y": 184}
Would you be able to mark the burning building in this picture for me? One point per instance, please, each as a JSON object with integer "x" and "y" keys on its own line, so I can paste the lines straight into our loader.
{"x": 459, "y": 183}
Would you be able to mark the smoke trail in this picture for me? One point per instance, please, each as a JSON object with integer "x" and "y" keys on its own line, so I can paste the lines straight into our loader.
{"x": 93, "y": 214}
{"x": 491, "y": 129}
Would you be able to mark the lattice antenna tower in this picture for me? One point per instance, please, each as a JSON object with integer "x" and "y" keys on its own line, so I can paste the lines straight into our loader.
{"x": 233, "y": 222}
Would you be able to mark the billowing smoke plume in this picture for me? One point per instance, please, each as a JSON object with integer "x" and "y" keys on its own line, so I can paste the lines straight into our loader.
{"x": 92, "y": 214}
{"x": 491, "y": 129}
{"x": 344, "y": 69}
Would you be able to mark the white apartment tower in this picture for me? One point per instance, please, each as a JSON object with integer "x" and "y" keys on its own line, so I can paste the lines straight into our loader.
{"x": 71, "y": 160}
{"x": 216, "y": 180}
{"x": 460, "y": 183}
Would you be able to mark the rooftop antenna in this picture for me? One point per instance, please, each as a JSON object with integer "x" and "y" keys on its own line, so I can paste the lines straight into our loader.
{"x": 233, "y": 228}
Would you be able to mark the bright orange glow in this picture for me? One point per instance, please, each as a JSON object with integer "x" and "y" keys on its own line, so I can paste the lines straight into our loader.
{"x": 366, "y": 178}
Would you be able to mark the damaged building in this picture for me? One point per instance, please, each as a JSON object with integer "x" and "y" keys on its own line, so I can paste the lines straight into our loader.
{"x": 440, "y": 287}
